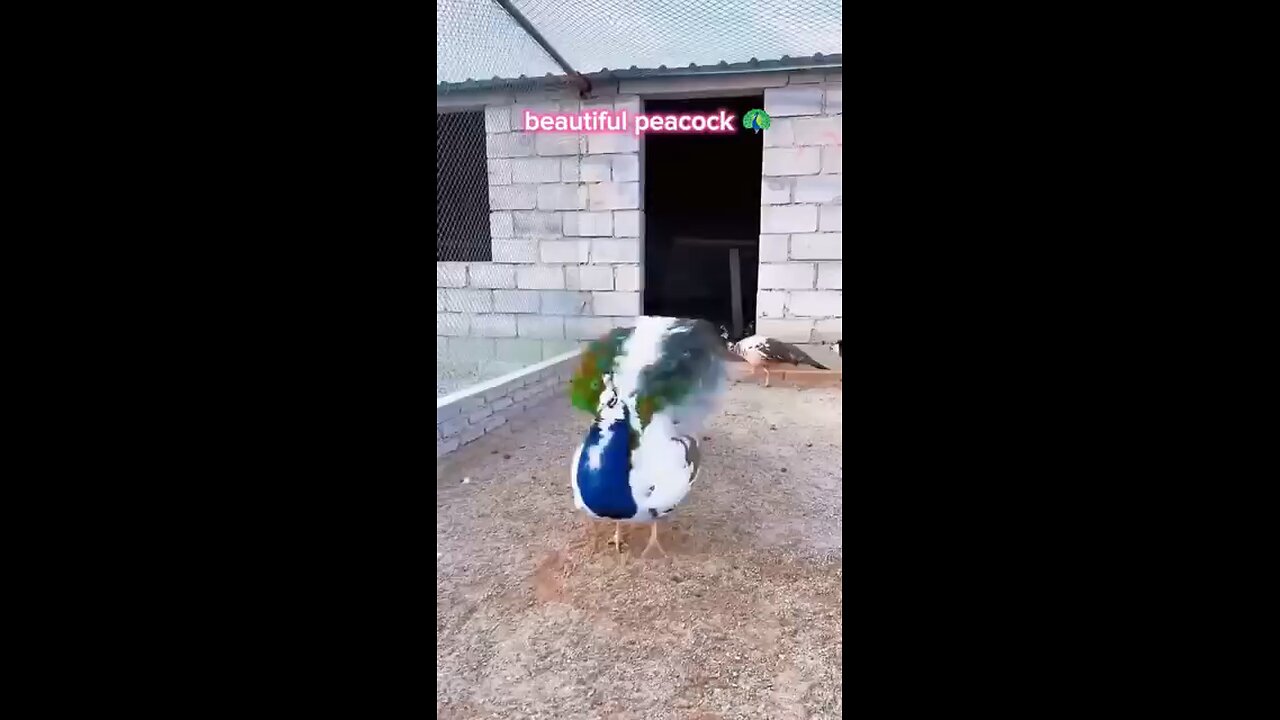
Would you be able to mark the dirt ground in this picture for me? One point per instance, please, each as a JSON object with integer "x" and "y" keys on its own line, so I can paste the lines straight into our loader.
{"x": 536, "y": 617}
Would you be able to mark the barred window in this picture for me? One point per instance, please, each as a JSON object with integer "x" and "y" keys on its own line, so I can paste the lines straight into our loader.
{"x": 462, "y": 188}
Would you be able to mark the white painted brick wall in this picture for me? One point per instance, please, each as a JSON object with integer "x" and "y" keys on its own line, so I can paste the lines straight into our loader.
{"x": 773, "y": 248}
{"x": 792, "y": 161}
{"x": 451, "y": 274}
{"x": 565, "y": 251}
{"x": 831, "y": 275}
{"x": 831, "y": 218}
{"x": 468, "y": 301}
{"x": 816, "y": 303}
{"x": 800, "y": 280}
{"x": 490, "y": 275}
{"x": 597, "y": 169}
{"x": 776, "y": 191}
{"x": 626, "y": 223}
{"x": 516, "y": 301}
{"x": 617, "y": 250}
{"x": 616, "y": 303}
{"x": 785, "y": 276}
{"x": 770, "y": 303}
{"x": 835, "y": 100}
{"x": 470, "y": 348}
{"x": 828, "y": 330}
{"x": 518, "y": 350}
{"x": 612, "y": 144}
{"x": 501, "y": 225}
{"x": 590, "y": 277}
{"x": 787, "y": 330}
{"x": 565, "y": 302}
{"x": 556, "y": 144}
{"x": 507, "y": 145}
{"x": 782, "y": 219}
{"x": 588, "y": 224}
{"x": 570, "y": 169}
{"x": 497, "y": 120}
{"x": 493, "y": 325}
{"x": 536, "y": 224}
{"x": 781, "y": 133}
{"x": 540, "y": 326}
{"x": 535, "y": 170}
{"x": 815, "y": 131}
{"x": 515, "y": 251}
{"x": 500, "y": 171}
{"x": 452, "y": 324}
{"x": 626, "y": 168}
{"x": 513, "y": 197}
{"x": 566, "y": 221}
{"x": 832, "y": 160}
{"x": 627, "y": 277}
{"x": 816, "y": 246}
{"x": 629, "y": 103}
{"x": 819, "y": 188}
{"x": 562, "y": 197}
{"x": 540, "y": 277}
{"x": 588, "y": 328}
{"x": 614, "y": 196}
{"x": 788, "y": 101}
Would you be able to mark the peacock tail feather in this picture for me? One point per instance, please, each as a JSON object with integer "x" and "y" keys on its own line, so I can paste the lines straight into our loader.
{"x": 689, "y": 365}
{"x": 664, "y": 364}
{"x": 675, "y": 366}
{"x": 597, "y": 361}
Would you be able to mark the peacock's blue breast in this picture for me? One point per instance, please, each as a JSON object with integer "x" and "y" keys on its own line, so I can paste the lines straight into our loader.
{"x": 604, "y": 471}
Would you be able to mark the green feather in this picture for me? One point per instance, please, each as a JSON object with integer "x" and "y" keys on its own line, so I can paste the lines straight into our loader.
{"x": 597, "y": 361}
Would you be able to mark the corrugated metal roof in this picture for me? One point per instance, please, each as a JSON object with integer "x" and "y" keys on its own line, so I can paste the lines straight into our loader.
{"x": 478, "y": 40}
{"x": 752, "y": 65}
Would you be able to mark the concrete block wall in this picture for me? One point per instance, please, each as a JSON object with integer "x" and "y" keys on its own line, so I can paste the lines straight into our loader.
{"x": 467, "y": 415}
{"x": 801, "y": 211}
{"x": 565, "y": 220}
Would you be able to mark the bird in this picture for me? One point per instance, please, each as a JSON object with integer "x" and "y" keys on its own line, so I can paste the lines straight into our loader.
{"x": 650, "y": 389}
{"x": 763, "y": 352}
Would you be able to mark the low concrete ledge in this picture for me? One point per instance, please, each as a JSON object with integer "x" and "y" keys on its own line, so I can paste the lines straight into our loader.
{"x": 468, "y": 414}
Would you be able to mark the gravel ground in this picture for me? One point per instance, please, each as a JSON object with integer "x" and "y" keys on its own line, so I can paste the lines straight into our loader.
{"x": 536, "y": 617}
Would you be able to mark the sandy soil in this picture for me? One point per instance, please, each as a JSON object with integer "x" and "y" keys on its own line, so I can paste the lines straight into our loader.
{"x": 536, "y": 617}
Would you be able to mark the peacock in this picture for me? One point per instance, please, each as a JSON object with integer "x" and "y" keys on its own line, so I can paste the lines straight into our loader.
{"x": 764, "y": 352}
{"x": 650, "y": 389}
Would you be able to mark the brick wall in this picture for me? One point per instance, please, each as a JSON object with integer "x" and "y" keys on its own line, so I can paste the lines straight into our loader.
{"x": 467, "y": 415}
{"x": 565, "y": 222}
{"x": 801, "y": 277}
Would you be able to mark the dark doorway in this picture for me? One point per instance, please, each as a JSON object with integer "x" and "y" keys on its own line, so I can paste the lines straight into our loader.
{"x": 701, "y": 212}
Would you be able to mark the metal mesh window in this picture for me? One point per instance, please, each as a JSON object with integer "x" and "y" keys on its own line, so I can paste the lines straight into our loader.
{"x": 462, "y": 188}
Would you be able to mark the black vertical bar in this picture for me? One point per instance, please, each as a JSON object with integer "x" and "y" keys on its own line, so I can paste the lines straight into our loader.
{"x": 528, "y": 27}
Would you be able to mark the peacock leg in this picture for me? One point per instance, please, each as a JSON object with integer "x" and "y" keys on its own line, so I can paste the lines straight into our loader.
{"x": 766, "y": 375}
{"x": 653, "y": 541}
{"x": 617, "y": 538}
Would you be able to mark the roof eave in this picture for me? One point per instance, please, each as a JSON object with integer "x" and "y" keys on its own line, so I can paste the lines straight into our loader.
{"x": 784, "y": 64}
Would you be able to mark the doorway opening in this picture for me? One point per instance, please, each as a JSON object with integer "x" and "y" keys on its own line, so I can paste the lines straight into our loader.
{"x": 702, "y": 217}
